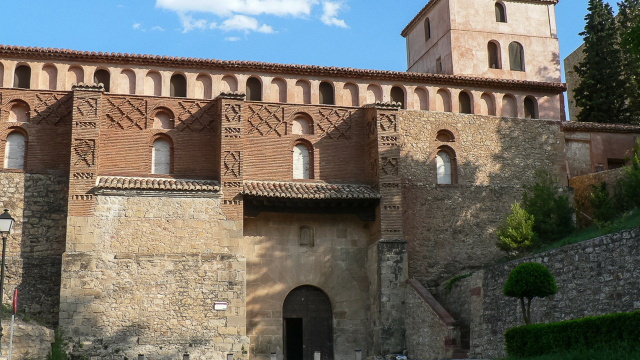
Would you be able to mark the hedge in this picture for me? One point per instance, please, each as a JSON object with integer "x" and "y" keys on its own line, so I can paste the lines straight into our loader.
{"x": 606, "y": 330}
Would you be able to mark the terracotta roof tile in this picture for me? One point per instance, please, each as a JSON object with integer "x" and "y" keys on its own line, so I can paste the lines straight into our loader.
{"x": 135, "y": 183}
{"x": 599, "y": 127}
{"x": 254, "y": 66}
{"x": 308, "y": 190}
{"x": 432, "y": 3}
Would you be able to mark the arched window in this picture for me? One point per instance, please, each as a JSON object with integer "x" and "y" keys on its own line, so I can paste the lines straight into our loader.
{"x": 153, "y": 84}
{"x": 530, "y": 108}
{"x": 374, "y": 94}
{"x": 443, "y": 101}
{"x": 178, "y": 86}
{"x": 465, "y": 103}
{"x": 501, "y": 13}
{"x": 303, "y": 92}
{"x": 22, "y": 77}
{"x": 301, "y": 162}
{"x": 14, "y": 151}
{"x": 49, "y": 77}
{"x": 203, "y": 86}
{"x": 445, "y": 166}
{"x": 326, "y": 94}
{"x": 397, "y": 95}
{"x": 301, "y": 126}
{"x": 229, "y": 84}
{"x": 445, "y": 136}
{"x": 516, "y": 56}
{"x": 103, "y": 77}
{"x": 427, "y": 29}
{"x": 19, "y": 112}
{"x": 509, "y": 107}
{"x": 254, "y": 89}
{"x": 350, "y": 95}
{"x": 128, "y": 82}
{"x": 421, "y": 100}
{"x": 487, "y": 105}
{"x": 278, "y": 90}
{"x": 75, "y": 75}
{"x": 163, "y": 120}
{"x": 161, "y": 157}
{"x": 493, "y": 49}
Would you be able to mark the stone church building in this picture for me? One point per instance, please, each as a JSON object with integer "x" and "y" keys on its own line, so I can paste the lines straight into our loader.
{"x": 249, "y": 210}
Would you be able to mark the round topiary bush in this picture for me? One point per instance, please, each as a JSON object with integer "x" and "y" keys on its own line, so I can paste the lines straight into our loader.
{"x": 528, "y": 281}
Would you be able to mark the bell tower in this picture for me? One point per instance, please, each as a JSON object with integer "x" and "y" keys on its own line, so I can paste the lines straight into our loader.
{"x": 499, "y": 39}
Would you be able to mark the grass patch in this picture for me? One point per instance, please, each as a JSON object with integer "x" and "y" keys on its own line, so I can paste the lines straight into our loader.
{"x": 627, "y": 221}
{"x": 621, "y": 352}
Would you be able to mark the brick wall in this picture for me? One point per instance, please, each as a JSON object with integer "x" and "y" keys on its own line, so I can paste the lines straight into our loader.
{"x": 338, "y": 141}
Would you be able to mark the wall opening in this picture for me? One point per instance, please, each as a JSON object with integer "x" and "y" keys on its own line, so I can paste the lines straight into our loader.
{"x": 178, "y": 86}
{"x": 14, "y": 151}
{"x": 494, "y": 55}
{"x": 161, "y": 157}
{"x": 516, "y": 56}
{"x": 427, "y": 29}
{"x": 501, "y": 13}
{"x": 103, "y": 77}
{"x": 302, "y": 162}
{"x": 22, "y": 77}
{"x": 326, "y": 94}
{"x": 397, "y": 95}
{"x": 530, "y": 108}
{"x": 254, "y": 89}
{"x": 308, "y": 326}
{"x": 19, "y": 112}
{"x": 465, "y": 103}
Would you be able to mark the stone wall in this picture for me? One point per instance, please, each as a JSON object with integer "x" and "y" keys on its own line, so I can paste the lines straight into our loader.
{"x": 594, "y": 277}
{"x": 333, "y": 259}
{"x": 451, "y": 227}
{"x": 30, "y": 340}
{"x": 38, "y": 203}
{"x": 143, "y": 274}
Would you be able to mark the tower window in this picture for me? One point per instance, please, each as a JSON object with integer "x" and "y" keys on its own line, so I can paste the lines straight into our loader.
{"x": 530, "y": 108}
{"x": 326, "y": 94}
{"x": 161, "y": 157}
{"x": 444, "y": 168}
{"x": 494, "y": 55}
{"x": 465, "y": 103}
{"x": 516, "y": 56}
{"x": 301, "y": 162}
{"x": 397, "y": 95}
{"x": 427, "y": 29}
{"x": 178, "y": 86}
{"x": 501, "y": 13}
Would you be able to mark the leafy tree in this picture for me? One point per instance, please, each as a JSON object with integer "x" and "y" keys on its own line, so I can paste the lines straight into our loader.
{"x": 604, "y": 210}
{"x": 528, "y": 281}
{"x": 516, "y": 233}
{"x": 630, "y": 181}
{"x": 601, "y": 92}
{"x": 552, "y": 214}
{"x": 629, "y": 33}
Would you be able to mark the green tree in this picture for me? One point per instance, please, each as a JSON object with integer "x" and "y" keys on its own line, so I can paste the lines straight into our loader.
{"x": 630, "y": 181}
{"x": 629, "y": 33}
{"x": 529, "y": 281}
{"x": 601, "y": 92}
{"x": 552, "y": 213}
{"x": 602, "y": 203}
{"x": 516, "y": 233}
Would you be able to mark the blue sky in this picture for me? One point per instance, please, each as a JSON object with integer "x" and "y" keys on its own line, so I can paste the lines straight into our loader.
{"x": 345, "y": 33}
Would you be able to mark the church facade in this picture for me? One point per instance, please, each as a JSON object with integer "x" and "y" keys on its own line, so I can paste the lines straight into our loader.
{"x": 234, "y": 209}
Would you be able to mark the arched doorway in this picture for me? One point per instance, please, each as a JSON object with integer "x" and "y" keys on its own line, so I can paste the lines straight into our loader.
{"x": 307, "y": 324}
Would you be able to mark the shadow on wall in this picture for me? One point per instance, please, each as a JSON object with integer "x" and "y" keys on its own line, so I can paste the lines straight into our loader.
{"x": 451, "y": 228}
{"x": 551, "y": 74}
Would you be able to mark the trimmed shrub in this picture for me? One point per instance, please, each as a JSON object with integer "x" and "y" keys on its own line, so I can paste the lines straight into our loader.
{"x": 604, "y": 211}
{"x": 528, "y": 281}
{"x": 608, "y": 330}
{"x": 516, "y": 233}
{"x": 630, "y": 182}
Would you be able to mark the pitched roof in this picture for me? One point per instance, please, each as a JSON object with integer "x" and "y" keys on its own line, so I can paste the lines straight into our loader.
{"x": 432, "y": 3}
{"x": 49, "y": 54}
{"x": 138, "y": 183}
{"x": 600, "y": 127}
{"x": 309, "y": 190}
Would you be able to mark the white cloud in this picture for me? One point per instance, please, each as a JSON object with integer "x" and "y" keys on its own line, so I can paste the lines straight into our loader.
{"x": 330, "y": 14}
{"x": 249, "y": 7}
{"x": 244, "y": 23}
{"x": 189, "y": 23}
{"x": 241, "y": 15}
{"x": 232, "y": 38}
{"x": 138, "y": 26}
{"x": 157, "y": 28}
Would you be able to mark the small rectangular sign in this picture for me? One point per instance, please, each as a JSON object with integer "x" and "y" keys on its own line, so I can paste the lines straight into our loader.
{"x": 220, "y": 306}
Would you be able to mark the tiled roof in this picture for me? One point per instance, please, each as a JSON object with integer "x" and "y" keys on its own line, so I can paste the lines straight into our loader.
{"x": 308, "y": 190}
{"x": 432, "y": 3}
{"x": 136, "y": 183}
{"x": 253, "y": 66}
{"x": 599, "y": 127}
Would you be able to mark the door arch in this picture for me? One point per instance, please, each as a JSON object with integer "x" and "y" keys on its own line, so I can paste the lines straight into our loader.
{"x": 308, "y": 324}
